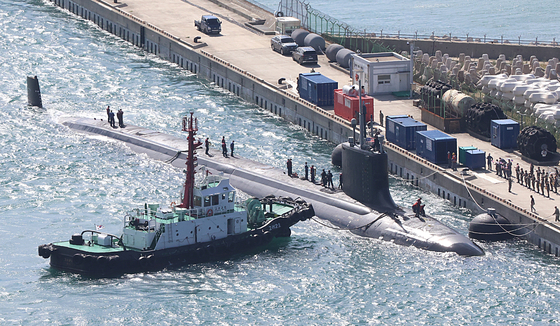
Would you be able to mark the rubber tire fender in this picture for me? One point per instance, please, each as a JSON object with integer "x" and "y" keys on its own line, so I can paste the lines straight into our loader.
{"x": 78, "y": 259}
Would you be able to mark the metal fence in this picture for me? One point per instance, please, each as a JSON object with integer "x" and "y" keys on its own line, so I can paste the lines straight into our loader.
{"x": 321, "y": 23}
{"x": 330, "y": 28}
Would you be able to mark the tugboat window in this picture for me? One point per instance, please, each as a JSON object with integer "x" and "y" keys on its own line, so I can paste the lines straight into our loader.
{"x": 215, "y": 200}
{"x": 231, "y": 196}
{"x": 197, "y": 201}
{"x": 206, "y": 201}
{"x": 223, "y": 196}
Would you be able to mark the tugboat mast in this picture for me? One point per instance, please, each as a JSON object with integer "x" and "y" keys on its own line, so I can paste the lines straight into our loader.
{"x": 188, "y": 196}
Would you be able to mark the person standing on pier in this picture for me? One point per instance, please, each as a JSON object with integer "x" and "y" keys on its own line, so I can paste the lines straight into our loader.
{"x": 557, "y": 214}
{"x": 112, "y": 119}
{"x": 517, "y": 172}
{"x": 289, "y": 166}
{"x": 108, "y": 114}
{"x": 207, "y": 145}
{"x": 489, "y": 159}
{"x": 381, "y": 118}
{"x": 232, "y": 147}
{"x": 329, "y": 180}
{"x": 533, "y": 204}
{"x": 509, "y": 184}
{"x": 324, "y": 178}
{"x": 454, "y": 162}
{"x": 120, "y": 114}
{"x": 340, "y": 181}
{"x": 547, "y": 186}
{"x": 313, "y": 172}
{"x": 224, "y": 147}
{"x": 306, "y": 169}
{"x": 448, "y": 159}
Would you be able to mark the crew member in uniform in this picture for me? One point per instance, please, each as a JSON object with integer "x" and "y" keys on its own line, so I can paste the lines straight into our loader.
{"x": 418, "y": 208}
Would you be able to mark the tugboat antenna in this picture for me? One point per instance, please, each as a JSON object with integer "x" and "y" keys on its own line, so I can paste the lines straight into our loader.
{"x": 188, "y": 196}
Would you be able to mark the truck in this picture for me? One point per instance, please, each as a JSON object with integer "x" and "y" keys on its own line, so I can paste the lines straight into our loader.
{"x": 208, "y": 24}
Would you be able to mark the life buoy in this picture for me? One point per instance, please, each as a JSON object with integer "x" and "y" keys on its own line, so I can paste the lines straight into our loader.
{"x": 279, "y": 14}
{"x": 209, "y": 212}
{"x": 173, "y": 204}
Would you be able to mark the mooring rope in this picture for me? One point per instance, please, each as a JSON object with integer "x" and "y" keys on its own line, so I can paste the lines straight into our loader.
{"x": 418, "y": 178}
{"x": 345, "y": 229}
{"x": 499, "y": 224}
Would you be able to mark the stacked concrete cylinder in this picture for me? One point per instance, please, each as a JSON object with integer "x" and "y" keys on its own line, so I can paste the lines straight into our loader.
{"x": 299, "y": 36}
{"x": 332, "y": 50}
{"x": 315, "y": 41}
{"x": 343, "y": 57}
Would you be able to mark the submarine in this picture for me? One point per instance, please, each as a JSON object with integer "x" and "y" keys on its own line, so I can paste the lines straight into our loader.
{"x": 367, "y": 210}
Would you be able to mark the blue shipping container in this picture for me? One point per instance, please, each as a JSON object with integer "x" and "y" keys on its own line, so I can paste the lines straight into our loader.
{"x": 317, "y": 88}
{"x": 463, "y": 152}
{"x": 504, "y": 133}
{"x": 433, "y": 145}
{"x": 401, "y": 130}
{"x": 475, "y": 159}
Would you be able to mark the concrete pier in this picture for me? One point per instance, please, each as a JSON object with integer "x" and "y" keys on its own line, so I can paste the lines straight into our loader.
{"x": 241, "y": 61}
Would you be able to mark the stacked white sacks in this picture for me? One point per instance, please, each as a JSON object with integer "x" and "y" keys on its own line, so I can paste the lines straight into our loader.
{"x": 548, "y": 113}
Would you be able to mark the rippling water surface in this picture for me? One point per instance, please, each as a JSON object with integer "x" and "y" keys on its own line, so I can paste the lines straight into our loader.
{"x": 55, "y": 182}
{"x": 512, "y": 19}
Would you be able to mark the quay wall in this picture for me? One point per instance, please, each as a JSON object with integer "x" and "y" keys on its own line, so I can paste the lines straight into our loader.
{"x": 461, "y": 193}
{"x": 454, "y": 48}
{"x": 300, "y": 112}
{"x": 205, "y": 65}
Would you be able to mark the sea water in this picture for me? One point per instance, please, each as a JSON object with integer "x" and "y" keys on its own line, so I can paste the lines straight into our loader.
{"x": 56, "y": 182}
{"x": 526, "y": 20}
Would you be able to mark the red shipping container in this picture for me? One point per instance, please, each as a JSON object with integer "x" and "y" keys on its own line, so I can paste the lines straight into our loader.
{"x": 348, "y": 107}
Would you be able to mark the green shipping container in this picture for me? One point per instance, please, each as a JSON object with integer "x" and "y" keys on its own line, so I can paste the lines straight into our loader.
{"x": 463, "y": 154}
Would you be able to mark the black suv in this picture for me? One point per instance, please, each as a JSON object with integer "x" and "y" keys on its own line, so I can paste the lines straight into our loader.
{"x": 305, "y": 54}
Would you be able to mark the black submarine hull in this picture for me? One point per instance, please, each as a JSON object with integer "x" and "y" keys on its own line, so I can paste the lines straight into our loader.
{"x": 386, "y": 222}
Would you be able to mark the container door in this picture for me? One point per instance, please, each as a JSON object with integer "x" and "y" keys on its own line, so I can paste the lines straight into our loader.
{"x": 495, "y": 135}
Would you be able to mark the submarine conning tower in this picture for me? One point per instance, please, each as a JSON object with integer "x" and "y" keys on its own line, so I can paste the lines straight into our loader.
{"x": 365, "y": 177}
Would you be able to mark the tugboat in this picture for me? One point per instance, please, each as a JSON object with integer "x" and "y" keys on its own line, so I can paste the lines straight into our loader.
{"x": 209, "y": 224}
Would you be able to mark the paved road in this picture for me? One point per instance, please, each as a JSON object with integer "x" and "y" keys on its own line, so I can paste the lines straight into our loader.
{"x": 236, "y": 44}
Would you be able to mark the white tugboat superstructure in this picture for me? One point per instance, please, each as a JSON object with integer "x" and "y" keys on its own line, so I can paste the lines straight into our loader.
{"x": 209, "y": 223}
